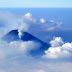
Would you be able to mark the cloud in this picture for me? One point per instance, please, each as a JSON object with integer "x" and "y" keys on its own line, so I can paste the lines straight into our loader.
{"x": 25, "y": 47}
{"x": 28, "y": 17}
{"x": 23, "y": 26}
{"x": 57, "y": 41}
{"x": 19, "y": 34}
{"x": 17, "y": 62}
{"x": 43, "y": 24}
{"x": 57, "y": 52}
{"x": 12, "y": 57}
{"x": 17, "y": 48}
{"x": 42, "y": 20}
{"x": 58, "y": 49}
{"x": 9, "y": 21}
{"x": 37, "y": 66}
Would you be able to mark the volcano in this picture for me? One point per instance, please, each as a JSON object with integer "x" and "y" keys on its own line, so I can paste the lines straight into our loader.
{"x": 14, "y": 36}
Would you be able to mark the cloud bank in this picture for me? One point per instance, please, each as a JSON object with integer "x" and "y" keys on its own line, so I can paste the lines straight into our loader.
{"x": 14, "y": 56}
{"x": 17, "y": 47}
{"x": 58, "y": 49}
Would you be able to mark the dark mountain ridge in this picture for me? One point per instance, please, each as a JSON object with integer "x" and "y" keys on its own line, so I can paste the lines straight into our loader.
{"x": 13, "y": 36}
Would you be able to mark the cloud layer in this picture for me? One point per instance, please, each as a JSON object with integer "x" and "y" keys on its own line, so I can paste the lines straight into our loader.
{"x": 17, "y": 47}
{"x": 15, "y": 57}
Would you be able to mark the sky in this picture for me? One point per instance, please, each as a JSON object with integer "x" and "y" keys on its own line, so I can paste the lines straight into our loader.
{"x": 36, "y": 3}
{"x": 15, "y": 56}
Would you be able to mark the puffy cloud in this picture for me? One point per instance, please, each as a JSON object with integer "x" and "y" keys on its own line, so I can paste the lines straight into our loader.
{"x": 25, "y": 47}
{"x": 58, "y": 49}
{"x": 41, "y": 24}
{"x": 22, "y": 63}
{"x": 42, "y": 20}
{"x": 28, "y": 17}
{"x": 9, "y": 21}
{"x": 57, "y": 41}
{"x": 57, "y": 52}
{"x": 67, "y": 45}
{"x": 16, "y": 47}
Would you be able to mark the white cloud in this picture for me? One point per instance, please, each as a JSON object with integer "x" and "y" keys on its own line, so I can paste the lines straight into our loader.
{"x": 67, "y": 46}
{"x": 19, "y": 34}
{"x": 28, "y": 17}
{"x": 58, "y": 49}
{"x": 57, "y": 52}
{"x": 57, "y": 41}
{"x": 24, "y": 23}
{"x": 17, "y": 47}
{"x": 42, "y": 20}
{"x": 25, "y": 47}
{"x": 22, "y": 63}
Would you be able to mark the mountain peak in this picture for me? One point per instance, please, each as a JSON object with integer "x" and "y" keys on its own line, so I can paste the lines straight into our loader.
{"x": 14, "y": 36}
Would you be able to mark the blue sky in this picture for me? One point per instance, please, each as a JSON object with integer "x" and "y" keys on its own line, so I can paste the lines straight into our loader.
{"x": 37, "y": 3}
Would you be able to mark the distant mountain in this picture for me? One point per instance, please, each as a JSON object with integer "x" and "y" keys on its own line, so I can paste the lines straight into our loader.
{"x": 13, "y": 36}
